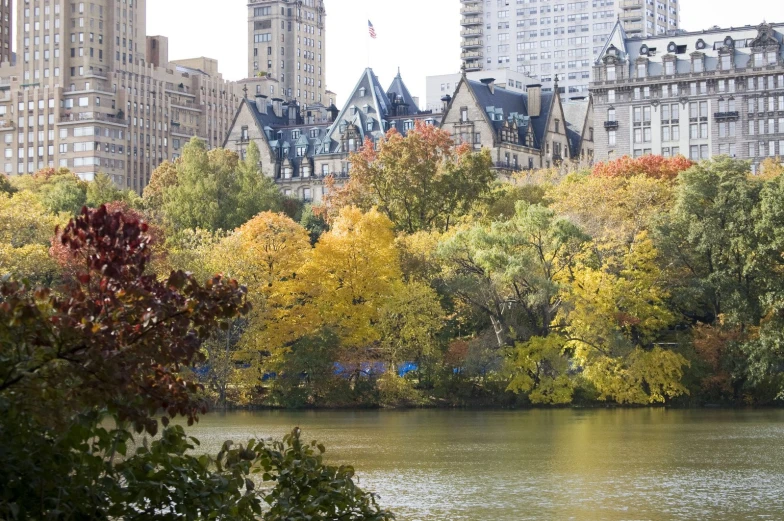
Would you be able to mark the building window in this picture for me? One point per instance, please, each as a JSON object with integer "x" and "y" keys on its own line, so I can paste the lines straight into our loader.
{"x": 611, "y": 73}
{"x": 611, "y": 138}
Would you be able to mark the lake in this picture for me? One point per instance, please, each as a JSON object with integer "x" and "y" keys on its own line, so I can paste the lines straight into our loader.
{"x": 596, "y": 465}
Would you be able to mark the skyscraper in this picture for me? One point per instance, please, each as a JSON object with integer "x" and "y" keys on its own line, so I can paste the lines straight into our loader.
{"x": 6, "y": 23}
{"x": 286, "y": 49}
{"x": 552, "y": 39}
{"x": 85, "y": 95}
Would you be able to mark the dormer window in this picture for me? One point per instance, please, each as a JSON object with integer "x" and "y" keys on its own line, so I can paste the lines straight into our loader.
{"x": 669, "y": 67}
{"x": 295, "y": 134}
{"x": 314, "y": 133}
{"x": 408, "y": 124}
{"x": 430, "y": 121}
{"x": 301, "y": 151}
{"x": 370, "y": 126}
{"x": 362, "y": 92}
{"x": 726, "y": 62}
{"x": 771, "y": 58}
{"x": 353, "y": 110}
{"x": 611, "y": 73}
{"x": 697, "y": 65}
{"x": 642, "y": 70}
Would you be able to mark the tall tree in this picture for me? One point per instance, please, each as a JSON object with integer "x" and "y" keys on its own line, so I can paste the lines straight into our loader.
{"x": 422, "y": 181}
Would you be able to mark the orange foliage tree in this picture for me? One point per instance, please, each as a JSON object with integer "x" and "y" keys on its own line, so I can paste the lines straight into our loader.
{"x": 420, "y": 182}
{"x": 658, "y": 167}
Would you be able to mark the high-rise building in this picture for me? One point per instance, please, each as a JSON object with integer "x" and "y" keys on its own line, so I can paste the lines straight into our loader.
{"x": 6, "y": 24}
{"x": 91, "y": 92}
{"x": 551, "y": 39}
{"x": 697, "y": 94}
{"x": 286, "y": 49}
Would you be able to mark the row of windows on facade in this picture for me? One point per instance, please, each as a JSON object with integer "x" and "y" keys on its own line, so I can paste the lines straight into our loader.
{"x": 761, "y": 83}
{"x": 759, "y": 59}
{"x": 309, "y": 15}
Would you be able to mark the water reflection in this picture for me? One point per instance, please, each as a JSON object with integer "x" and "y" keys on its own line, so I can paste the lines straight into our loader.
{"x": 602, "y": 465}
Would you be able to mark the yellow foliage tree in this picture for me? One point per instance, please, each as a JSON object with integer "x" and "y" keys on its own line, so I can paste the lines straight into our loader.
{"x": 612, "y": 210}
{"x": 267, "y": 254}
{"x": 616, "y": 313}
{"x": 26, "y": 231}
{"x": 354, "y": 269}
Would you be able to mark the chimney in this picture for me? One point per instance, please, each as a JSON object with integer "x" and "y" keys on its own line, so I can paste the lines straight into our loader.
{"x": 445, "y": 101}
{"x": 534, "y": 100}
{"x": 490, "y": 82}
{"x": 277, "y": 107}
{"x": 261, "y": 103}
{"x": 293, "y": 112}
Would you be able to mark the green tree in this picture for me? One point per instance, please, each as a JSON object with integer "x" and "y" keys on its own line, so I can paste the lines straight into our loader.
{"x": 256, "y": 192}
{"x": 213, "y": 189}
{"x": 512, "y": 271}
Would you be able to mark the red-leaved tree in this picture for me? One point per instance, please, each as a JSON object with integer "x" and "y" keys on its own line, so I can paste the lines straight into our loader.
{"x": 658, "y": 167}
{"x": 113, "y": 336}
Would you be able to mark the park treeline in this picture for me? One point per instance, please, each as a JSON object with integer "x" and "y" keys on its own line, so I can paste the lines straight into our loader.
{"x": 424, "y": 280}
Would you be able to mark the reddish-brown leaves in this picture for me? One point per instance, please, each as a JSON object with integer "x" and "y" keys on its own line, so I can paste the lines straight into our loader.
{"x": 114, "y": 336}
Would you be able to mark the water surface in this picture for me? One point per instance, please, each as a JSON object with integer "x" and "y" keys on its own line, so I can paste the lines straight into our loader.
{"x": 596, "y": 465}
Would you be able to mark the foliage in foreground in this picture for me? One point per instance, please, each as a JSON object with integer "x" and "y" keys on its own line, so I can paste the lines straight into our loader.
{"x": 107, "y": 345}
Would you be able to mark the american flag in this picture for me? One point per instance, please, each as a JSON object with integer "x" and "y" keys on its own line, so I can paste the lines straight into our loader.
{"x": 372, "y": 30}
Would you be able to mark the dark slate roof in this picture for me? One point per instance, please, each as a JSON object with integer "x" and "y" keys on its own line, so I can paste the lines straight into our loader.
{"x": 509, "y": 104}
{"x": 399, "y": 89}
{"x": 575, "y": 113}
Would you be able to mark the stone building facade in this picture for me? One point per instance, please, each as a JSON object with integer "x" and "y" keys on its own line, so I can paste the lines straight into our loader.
{"x": 6, "y": 29}
{"x": 303, "y": 144}
{"x": 700, "y": 94}
{"x": 91, "y": 92}
{"x": 287, "y": 49}
{"x": 523, "y": 130}
{"x": 556, "y": 41}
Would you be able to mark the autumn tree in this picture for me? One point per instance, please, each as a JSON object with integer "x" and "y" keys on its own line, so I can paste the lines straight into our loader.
{"x": 513, "y": 270}
{"x": 422, "y": 181}
{"x": 657, "y": 167}
{"x": 26, "y": 231}
{"x": 615, "y": 319}
{"x": 353, "y": 270}
{"x": 113, "y": 340}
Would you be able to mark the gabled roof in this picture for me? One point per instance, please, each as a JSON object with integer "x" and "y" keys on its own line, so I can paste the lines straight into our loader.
{"x": 575, "y": 114}
{"x": 398, "y": 87}
{"x": 616, "y": 39}
{"x": 509, "y": 102}
{"x": 368, "y": 91}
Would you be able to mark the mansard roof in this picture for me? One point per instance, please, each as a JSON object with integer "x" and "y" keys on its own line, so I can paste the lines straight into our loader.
{"x": 398, "y": 88}
{"x": 741, "y": 42}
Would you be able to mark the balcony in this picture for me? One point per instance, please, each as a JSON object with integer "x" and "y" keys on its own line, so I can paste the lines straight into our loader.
{"x": 726, "y": 115}
{"x": 93, "y": 116}
{"x": 610, "y": 125}
{"x": 470, "y": 9}
{"x": 6, "y": 124}
{"x": 631, "y": 4}
{"x": 471, "y": 55}
{"x": 471, "y": 21}
{"x": 473, "y": 66}
{"x": 471, "y": 32}
{"x": 472, "y": 43}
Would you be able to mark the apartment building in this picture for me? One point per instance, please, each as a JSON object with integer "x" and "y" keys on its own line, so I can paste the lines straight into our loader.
{"x": 6, "y": 26}
{"x": 554, "y": 39}
{"x": 91, "y": 92}
{"x": 301, "y": 146}
{"x": 286, "y": 49}
{"x": 438, "y": 86}
{"x": 697, "y": 94}
{"x": 523, "y": 130}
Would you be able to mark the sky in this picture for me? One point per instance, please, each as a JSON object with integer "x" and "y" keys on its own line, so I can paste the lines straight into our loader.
{"x": 422, "y": 37}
